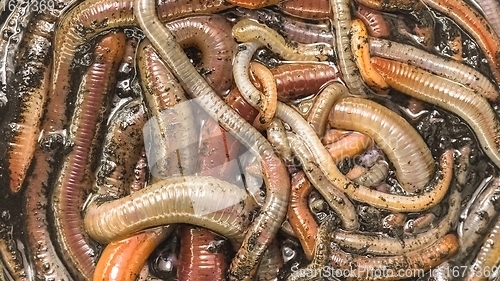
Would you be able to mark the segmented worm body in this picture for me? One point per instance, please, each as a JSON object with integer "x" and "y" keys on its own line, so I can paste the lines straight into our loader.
{"x": 307, "y": 9}
{"x": 375, "y": 22}
{"x": 453, "y": 97}
{"x": 247, "y": 30}
{"x": 488, "y": 256}
{"x": 476, "y": 25}
{"x": 265, "y": 226}
{"x": 73, "y": 180}
{"x": 365, "y": 268}
{"x": 299, "y": 216}
{"x": 447, "y": 68}
{"x": 350, "y": 146}
{"x": 490, "y": 9}
{"x": 402, "y": 144}
{"x": 318, "y": 116}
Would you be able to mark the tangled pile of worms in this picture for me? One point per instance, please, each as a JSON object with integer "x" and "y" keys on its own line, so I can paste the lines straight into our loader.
{"x": 249, "y": 140}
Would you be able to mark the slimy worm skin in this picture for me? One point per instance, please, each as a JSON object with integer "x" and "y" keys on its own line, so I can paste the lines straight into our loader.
{"x": 311, "y": 10}
{"x": 365, "y": 268}
{"x": 269, "y": 95}
{"x": 402, "y": 144}
{"x": 437, "y": 65}
{"x": 349, "y": 146}
{"x": 74, "y": 178}
{"x": 476, "y": 25}
{"x": 491, "y": 9}
{"x": 318, "y": 115}
{"x": 458, "y": 99}
{"x": 264, "y": 228}
{"x": 253, "y": 4}
{"x": 488, "y": 256}
{"x": 375, "y": 22}
{"x": 247, "y": 30}
{"x": 299, "y": 215}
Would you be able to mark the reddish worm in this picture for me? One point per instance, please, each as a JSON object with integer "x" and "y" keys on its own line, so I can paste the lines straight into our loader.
{"x": 73, "y": 180}
{"x": 266, "y": 225}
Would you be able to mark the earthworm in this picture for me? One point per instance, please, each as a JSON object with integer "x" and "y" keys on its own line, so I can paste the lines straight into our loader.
{"x": 319, "y": 9}
{"x": 333, "y": 135}
{"x": 33, "y": 62}
{"x": 476, "y": 25}
{"x": 335, "y": 198}
{"x": 447, "y": 68}
{"x": 240, "y": 105}
{"x": 294, "y": 29}
{"x": 253, "y": 4}
{"x": 269, "y": 94}
{"x": 483, "y": 213}
{"x": 271, "y": 263}
{"x": 211, "y": 35}
{"x": 247, "y": 30}
{"x": 402, "y": 144}
{"x": 73, "y": 179}
{"x": 393, "y": 220}
{"x": 140, "y": 173}
{"x": 389, "y": 268}
{"x": 173, "y": 200}
{"x": 13, "y": 29}
{"x": 201, "y": 256}
{"x": 169, "y": 133}
{"x": 88, "y": 19}
{"x": 375, "y": 22}
{"x": 419, "y": 224}
{"x": 318, "y": 115}
{"x": 342, "y": 26}
{"x": 11, "y": 258}
{"x": 299, "y": 216}
{"x": 276, "y": 134}
{"x": 389, "y": 5}
{"x": 121, "y": 150}
{"x": 384, "y": 245}
{"x": 375, "y": 174}
{"x": 398, "y": 203}
{"x": 490, "y": 11}
{"x": 265, "y": 226}
{"x": 349, "y": 146}
{"x": 301, "y": 79}
{"x": 488, "y": 257}
{"x": 122, "y": 260}
{"x": 361, "y": 53}
{"x": 448, "y": 95}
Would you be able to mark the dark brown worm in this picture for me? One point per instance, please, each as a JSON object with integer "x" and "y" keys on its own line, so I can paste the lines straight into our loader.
{"x": 460, "y": 100}
{"x": 265, "y": 226}
{"x": 476, "y": 25}
{"x": 299, "y": 80}
{"x": 211, "y": 35}
{"x": 447, "y": 68}
{"x": 85, "y": 21}
{"x": 384, "y": 245}
{"x": 294, "y": 29}
{"x": 389, "y": 268}
{"x": 201, "y": 255}
{"x": 402, "y": 144}
{"x": 140, "y": 176}
{"x": 170, "y": 135}
{"x": 319, "y": 9}
{"x": 74, "y": 181}
{"x": 33, "y": 62}
{"x": 375, "y": 22}
{"x": 299, "y": 216}
{"x": 121, "y": 150}
{"x": 203, "y": 201}
{"x": 11, "y": 256}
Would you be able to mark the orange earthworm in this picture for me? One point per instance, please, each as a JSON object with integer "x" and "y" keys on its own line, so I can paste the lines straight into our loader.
{"x": 269, "y": 95}
{"x": 253, "y": 4}
{"x": 361, "y": 53}
{"x": 349, "y": 146}
{"x": 299, "y": 216}
{"x": 333, "y": 135}
{"x": 318, "y": 115}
